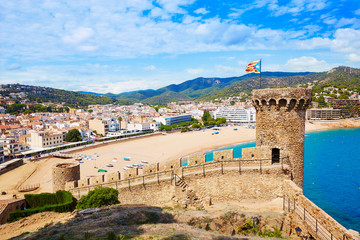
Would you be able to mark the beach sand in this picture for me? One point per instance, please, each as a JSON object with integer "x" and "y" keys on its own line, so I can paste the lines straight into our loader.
{"x": 158, "y": 148}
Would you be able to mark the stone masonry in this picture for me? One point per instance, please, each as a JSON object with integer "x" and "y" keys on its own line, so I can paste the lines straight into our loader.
{"x": 64, "y": 172}
{"x": 280, "y": 124}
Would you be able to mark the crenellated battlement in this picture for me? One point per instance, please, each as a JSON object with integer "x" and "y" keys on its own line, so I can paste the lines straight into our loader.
{"x": 282, "y": 98}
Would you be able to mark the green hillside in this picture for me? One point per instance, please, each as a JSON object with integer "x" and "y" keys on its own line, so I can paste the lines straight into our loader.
{"x": 46, "y": 94}
{"x": 193, "y": 89}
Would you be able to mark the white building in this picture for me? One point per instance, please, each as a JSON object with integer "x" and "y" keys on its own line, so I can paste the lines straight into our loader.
{"x": 169, "y": 120}
{"x": 139, "y": 126}
{"x": 236, "y": 114}
{"x": 114, "y": 125}
{"x": 155, "y": 126}
{"x": 2, "y": 152}
{"x": 46, "y": 139}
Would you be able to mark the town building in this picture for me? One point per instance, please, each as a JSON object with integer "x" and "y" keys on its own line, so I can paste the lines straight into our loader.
{"x": 46, "y": 139}
{"x": 236, "y": 114}
{"x": 100, "y": 126}
{"x": 323, "y": 114}
{"x": 170, "y": 120}
{"x": 348, "y": 107}
{"x": 10, "y": 146}
{"x": 2, "y": 158}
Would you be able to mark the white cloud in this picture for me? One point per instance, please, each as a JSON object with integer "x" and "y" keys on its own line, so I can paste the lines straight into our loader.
{"x": 13, "y": 66}
{"x": 79, "y": 35}
{"x": 306, "y": 64}
{"x": 87, "y": 48}
{"x": 354, "y": 57}
{"x": 195, "y": 71}
{"x": 330, "y": 20}
{"x": 346, "y": 21}
{"x": 150, "y": 68}
{"x": 357, "y": 12}
{"x": 174, "y": 6}
{"x": 346, "y": 40}
{"x": 295, "y": 6}
{"x": 202, "y": 11}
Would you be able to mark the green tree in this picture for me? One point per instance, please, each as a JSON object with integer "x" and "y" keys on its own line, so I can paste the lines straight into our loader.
{"x": 28, "y": 111}
{"x": 119, "y": 119}
{"x": 100, "y": 197}
{"x": 206, "y": 116}
{"x": 73, "y": 136}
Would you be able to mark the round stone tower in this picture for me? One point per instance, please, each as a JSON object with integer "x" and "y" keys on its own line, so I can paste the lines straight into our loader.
{"x": 64, "y": 172}
{"x": 280, "y": 125}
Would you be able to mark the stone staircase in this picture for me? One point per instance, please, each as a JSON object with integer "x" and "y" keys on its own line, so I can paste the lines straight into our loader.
{"x": 191, "y": 198}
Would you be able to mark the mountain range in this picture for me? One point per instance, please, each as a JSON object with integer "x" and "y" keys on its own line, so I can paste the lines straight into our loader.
{"x": 199, "y": 88}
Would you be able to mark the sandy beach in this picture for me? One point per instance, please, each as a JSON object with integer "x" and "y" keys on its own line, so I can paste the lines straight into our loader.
{"x": 159, "y": 148}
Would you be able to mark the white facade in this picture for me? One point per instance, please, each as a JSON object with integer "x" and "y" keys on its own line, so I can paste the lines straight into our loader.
{"x": 1, "y": 152}
{"x": 114, "y": 125}
{"x": 139, "y": 126}
{"x": 236, "y": 114}
{"x": 155, "y": 126}
{"x": 46, "y": 139}
{"x": 169, "y": 120}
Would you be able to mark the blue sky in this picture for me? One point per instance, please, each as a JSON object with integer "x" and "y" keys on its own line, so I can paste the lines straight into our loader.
{"x": 125, "y": 45}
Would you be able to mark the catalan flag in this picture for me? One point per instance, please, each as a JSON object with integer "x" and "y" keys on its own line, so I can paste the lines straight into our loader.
{"x": 254, "y": 67}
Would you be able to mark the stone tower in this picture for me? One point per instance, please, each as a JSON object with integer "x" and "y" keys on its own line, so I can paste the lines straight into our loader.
{"x": 280, "y": 125}
{"x": 64, "y": 172}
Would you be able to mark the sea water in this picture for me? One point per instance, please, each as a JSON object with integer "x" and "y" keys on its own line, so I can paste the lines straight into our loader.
{"x": 331, "y": 172}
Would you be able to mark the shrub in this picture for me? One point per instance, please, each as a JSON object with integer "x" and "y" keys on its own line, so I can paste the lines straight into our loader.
{"x": 100, "y": 197}
{"x": 61, "y": 201}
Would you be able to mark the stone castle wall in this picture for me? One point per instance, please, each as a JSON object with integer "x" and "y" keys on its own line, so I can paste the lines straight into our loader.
{"x": 196, "y": 161}
{"x": 223, "y": 155}
{"x": 280, "y": 123}
{"x": 63, "y": 173}
{"x": 294, "y": 194}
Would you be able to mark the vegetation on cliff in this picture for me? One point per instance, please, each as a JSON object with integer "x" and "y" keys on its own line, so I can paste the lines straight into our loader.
{"x": 100, "y": 197}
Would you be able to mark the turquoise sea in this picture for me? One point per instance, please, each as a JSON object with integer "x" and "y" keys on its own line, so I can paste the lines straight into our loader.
{"x": 331, "y": 172}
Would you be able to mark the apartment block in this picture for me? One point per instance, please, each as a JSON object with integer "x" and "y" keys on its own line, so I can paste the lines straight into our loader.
{"x": 46, "y": 139}
{"x": 323, "y": 114}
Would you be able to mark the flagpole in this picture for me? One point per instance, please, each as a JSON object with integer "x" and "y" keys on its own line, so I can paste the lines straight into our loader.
{"x": 260, "y": 72}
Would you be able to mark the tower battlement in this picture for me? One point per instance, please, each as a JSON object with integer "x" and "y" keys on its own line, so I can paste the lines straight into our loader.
{"x": 291, "y": 98}
{"x": 280, "y": 124}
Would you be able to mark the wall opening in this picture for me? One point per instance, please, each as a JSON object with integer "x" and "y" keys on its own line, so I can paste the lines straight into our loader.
{"x": 275, "y": 155}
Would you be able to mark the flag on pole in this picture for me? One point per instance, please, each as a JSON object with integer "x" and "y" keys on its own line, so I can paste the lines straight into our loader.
{"x": 254, "y": 67}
